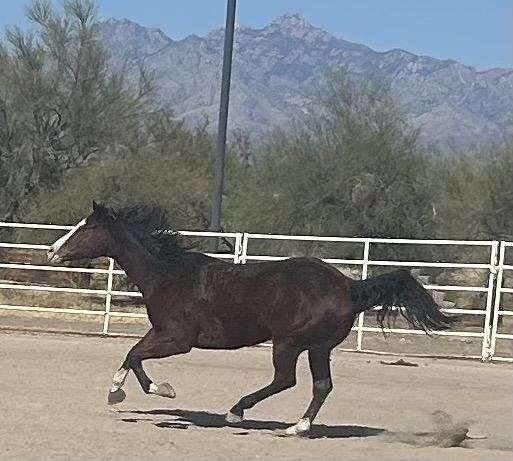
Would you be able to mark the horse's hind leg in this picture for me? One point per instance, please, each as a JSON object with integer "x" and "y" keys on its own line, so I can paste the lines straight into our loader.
{"x": 285, "y": 357}
{"x": 155, "y": 344}
{"x": 320, "y": 368}
{"x": 319, "y": 360}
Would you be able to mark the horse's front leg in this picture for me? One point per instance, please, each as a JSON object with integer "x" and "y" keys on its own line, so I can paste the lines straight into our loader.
{"x": 155, "y": 344}
{"x": 116, "y": 393}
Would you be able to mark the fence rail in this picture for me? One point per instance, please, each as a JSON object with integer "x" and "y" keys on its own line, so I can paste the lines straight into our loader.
{"x": 492, "y": 312}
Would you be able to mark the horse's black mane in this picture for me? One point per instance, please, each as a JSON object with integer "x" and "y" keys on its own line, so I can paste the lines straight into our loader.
{"x": 151, "y": 226}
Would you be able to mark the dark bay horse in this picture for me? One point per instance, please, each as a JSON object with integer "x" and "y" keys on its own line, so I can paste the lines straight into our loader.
{"x": 192, "y": 300}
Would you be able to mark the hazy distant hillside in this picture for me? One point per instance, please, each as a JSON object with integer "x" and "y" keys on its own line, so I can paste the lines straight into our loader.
{"x": 276, "y": 70}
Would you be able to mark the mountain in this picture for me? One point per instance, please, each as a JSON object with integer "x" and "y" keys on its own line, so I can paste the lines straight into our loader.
{"x": 277, "y": 69}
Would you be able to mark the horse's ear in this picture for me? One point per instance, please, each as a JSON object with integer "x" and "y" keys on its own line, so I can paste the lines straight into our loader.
{"x": 101, "y": 210}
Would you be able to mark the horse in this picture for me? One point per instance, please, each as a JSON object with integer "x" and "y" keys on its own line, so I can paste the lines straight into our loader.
{"x": 197, "y": 301}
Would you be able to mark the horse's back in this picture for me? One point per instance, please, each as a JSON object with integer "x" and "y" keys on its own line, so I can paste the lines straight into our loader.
{"x": 248, "y": 304}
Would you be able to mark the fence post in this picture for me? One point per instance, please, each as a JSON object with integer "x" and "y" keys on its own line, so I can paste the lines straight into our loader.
{"x": 359, "y": 338}
{"x": 486, "y": 345}
{"x": 238, "y": 248}
{"x": 108, "y": 298}
{"x": 244, "y": 251}
{"x": 497, "y": 303}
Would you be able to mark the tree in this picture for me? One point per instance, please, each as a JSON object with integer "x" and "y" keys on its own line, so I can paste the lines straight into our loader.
{"x": 60, "y": 105}
{"x": 497, "y": 216}
{"x": 353, "y": 168}
{"x": 172, "y": 170}
{"x": 477, "y": 195}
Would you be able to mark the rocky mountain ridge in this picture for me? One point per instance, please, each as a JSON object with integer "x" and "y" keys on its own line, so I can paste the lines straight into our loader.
{"x": 276, "y": 71}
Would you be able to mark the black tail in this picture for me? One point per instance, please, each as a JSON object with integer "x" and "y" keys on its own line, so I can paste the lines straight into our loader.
{"x": 399, "y": 289}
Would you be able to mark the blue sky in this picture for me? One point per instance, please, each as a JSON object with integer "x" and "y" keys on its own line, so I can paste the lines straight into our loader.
{"x": 475, "y": 32}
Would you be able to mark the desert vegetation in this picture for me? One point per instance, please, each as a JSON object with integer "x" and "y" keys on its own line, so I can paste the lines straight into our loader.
{"x": 72, "y": 130}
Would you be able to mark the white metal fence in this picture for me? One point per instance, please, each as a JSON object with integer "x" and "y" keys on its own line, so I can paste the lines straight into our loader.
{"x": 491, "y": 313}
{"x": 108, "y": 292}
{"x": 499, "y": 311}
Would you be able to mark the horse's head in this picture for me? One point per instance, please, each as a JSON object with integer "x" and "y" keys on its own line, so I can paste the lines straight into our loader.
{"x": 90, "y": 238}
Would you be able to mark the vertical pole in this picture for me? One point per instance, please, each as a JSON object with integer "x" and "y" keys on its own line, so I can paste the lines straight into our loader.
{"x": 108, "y": 297}
{"x": 238, "y": 248}
{"x": 244, "y": 248}
{"x": 217, "y": 193}
{"x": 359, "y": 339}
{"x": 497, "y": 304}
{"x": 485, "y": 348}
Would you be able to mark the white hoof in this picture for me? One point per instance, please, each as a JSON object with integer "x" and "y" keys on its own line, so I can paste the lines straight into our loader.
{"x": 232, "y": 418}
{"x": 301, "y": 427}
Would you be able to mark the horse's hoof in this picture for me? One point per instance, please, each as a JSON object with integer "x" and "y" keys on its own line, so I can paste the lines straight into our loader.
{"x": 232, "y": 418}
{"x": 301, "y": 428}
{"x": 166, "y": 390}
{"x": 116, "y": 397}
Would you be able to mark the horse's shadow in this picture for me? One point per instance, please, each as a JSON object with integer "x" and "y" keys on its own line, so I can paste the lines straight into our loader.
{"x": 185, "y": 418}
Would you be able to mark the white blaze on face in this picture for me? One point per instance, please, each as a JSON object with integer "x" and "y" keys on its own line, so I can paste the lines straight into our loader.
{"x": 58, "y": 243}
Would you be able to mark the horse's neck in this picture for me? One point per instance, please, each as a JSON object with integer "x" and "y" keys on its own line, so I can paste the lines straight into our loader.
{"x": 136, "y": 261}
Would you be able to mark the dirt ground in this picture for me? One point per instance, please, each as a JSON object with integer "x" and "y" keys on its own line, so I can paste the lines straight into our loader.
{"x": 54, "y": 388}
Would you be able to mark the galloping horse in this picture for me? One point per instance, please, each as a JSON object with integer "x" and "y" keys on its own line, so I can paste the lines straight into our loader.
{"x": 192, "y": 300}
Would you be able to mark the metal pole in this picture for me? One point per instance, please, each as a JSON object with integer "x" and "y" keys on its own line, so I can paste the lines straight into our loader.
{"x": 365, "y": 268}
{"x": 108, "y": 298}
{"x": 485, "y": 350}
{"x": 496, "y": 306}
{"x": 217, "y": 193}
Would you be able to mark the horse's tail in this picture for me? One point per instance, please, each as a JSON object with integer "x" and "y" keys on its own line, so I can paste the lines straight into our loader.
{"x": 399, "y": 289}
